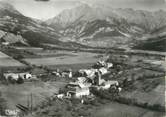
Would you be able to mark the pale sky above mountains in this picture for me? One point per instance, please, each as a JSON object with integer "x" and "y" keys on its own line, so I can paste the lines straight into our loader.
{"x": 44, "y": 9}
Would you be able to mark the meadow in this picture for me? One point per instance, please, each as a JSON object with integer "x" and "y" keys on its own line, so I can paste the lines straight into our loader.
{"x": 63, "y": 58}
{"x": 6, "y": 61}
{"x": 121, "y": 110}
{"x": 20, "y": 94}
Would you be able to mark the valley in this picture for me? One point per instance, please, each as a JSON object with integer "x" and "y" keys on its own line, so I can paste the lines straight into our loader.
{"x": 87, "y": 61}
{"x": 88, "y": 26}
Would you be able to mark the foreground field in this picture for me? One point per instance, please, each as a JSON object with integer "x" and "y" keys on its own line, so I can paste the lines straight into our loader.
{"x": 6, "y": 61}
{"x": 100, "y": 108}
{"x": 20, "y": 94}
{"x": 121, "y": 110}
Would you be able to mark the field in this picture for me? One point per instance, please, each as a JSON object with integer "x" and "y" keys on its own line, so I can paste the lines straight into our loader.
{"x": 62, "y": 58}
{"x": 20, "y": 94}
{"x": 146, "y": 80}
{"x": 102, "y": 108}
{"x": 6, "y": 61}
{"x": 150, "y": 91}
{"x": 120, "y": 110}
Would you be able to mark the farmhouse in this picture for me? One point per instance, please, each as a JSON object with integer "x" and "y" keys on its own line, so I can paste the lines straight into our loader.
{"x": 56, "y": 73}
{"x": 104, "y": 64}
{"x": 88, "y": 72}
{"x": 15, "y": 76}
{"x": 107, "y": 84}
{"x": 25, "y": 75}
{"x": 8, "y": 76}
{"x": 101, "y": 63}
{"x": 109, "y": 65}
{"x": 103, "y": 70}
{"x": 77, "y": 90}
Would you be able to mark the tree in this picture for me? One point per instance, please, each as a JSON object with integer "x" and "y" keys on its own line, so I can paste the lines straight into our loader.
{"x": 1, "y": 73}
{"x": 20, "y": 80}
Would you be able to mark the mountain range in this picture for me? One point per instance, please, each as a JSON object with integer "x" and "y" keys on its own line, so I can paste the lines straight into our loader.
{"x": 16, "y": 28}
{"x": 96, "y": 26}
{"x": 105, "y": 26}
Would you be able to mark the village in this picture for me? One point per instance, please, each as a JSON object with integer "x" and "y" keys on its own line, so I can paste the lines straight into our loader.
{"x": 107, "y": 79}
{"x": 90, "y": 78}
{"x": 80, "y": 83}
{"x": 85, "y": 79}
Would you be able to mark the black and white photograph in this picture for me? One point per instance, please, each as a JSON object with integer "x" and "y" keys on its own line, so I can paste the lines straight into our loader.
{"x": 82, "y": 58}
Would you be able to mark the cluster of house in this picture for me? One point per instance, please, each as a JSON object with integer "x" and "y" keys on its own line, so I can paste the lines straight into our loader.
{"x": 16, "y": 76}
{"x": 86, "y": 79}
{"x": 90, "y": 78}
{"x": 66, "y": 73}
{"x": 101, "y": 66}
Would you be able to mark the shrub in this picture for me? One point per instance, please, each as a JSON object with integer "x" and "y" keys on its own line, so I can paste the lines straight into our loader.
{"x": 11, "y": 80}
{"x": 157, "y": 107}
{"x": 18, "y": 57}
{"x": 75, "y": 101}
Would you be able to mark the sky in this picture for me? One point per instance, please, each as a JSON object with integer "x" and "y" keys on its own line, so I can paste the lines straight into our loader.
{"x": 45, "y": 9}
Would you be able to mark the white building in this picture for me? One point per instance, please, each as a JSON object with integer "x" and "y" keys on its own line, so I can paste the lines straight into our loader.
{"x": 77, "y": 90}
{"x": 15, "y": 76}
{"x": 5, "y": 43}
{"x": 103, "y": 70}
{"x": 25, "y": 76}
{"x": 109, "y": 65}
{"x": 89, "y": 72}
{"x": 108, "y": 84}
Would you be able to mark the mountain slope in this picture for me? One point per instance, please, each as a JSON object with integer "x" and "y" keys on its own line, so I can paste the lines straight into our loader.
{"x": 17, "y": 26}
{"x": 156, "y": 41}
{"x": 145, "y": 19}
{"x": 96, "y": 26}
{"x": 105, "y": 26}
